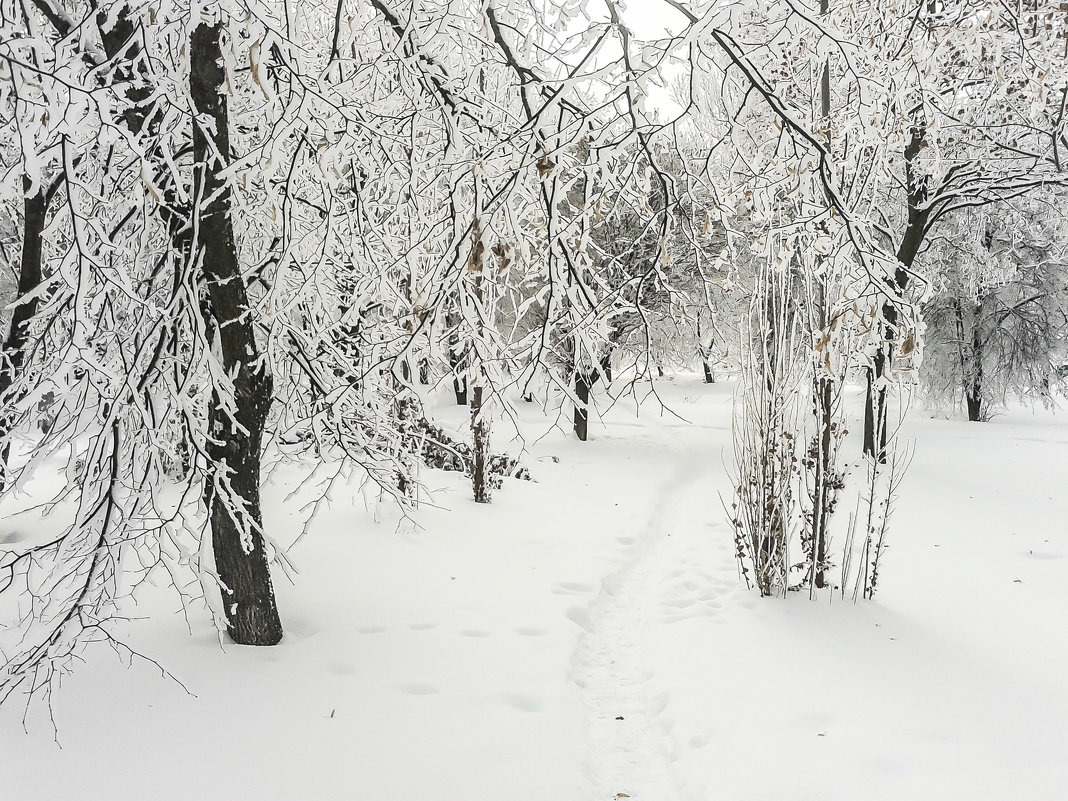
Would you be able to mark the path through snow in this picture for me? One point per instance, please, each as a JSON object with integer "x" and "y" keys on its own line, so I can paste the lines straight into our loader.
{"x": 632, "y": 747}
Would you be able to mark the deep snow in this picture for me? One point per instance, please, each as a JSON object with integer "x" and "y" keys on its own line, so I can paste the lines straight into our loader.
{"x": 490, "y": 654}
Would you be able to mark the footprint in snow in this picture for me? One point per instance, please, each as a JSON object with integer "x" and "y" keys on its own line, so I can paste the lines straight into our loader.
{"x": 581, "y": 618}
{"x": 531, "y": 632}
{"x": 419, "y": 689}
{"x": 572, "y": 588}
{"x": 524, "y": 703}
{"x": 679, "y": 603}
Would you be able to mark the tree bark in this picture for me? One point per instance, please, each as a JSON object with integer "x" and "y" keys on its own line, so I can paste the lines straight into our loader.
{"x": 31, "y": 272}
{"x": 481, "y": 481}
{"x": 911, "y": 241}
{"x": 480, "y": 474}
{"x": 459, "y": 380}
{"x": 606, "y": 365}
{"x": 974, "y": 390}
{"x": 823, "y": 475}
{"x": 975, "y": 408}
{"x": 234, "y": 438}
{"x": 457, "y": 362}
{"x": 584, "y": 381}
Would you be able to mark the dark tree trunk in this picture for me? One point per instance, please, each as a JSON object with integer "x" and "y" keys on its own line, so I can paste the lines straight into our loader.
{"x": 875, "y": 409}
{"x": 822, "y": 508}
{"x": 480, "y": 474}
{"x": 970, "y": 354}
{"x": 459, "y": 380}
{"x": 35, "y": 209}
{"x": 480, "y": 428}
{"x": 233, "y": 492}
{"x": 704, "y": 351}
{"x": 823, "y": 394}
{"x": 584, "y": 381}
{"x": 459, "y": 387}
{"x": 974, "y": 391}
{"x": 606, "y": 366}
{"x": 911, "y": 241}
{"x": 457, "y": 362}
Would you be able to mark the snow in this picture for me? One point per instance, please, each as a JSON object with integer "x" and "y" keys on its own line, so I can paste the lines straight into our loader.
{"x": 490, "y": 653}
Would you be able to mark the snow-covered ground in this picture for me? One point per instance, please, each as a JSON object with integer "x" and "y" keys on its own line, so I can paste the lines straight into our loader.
{"x": 586, "y": 637}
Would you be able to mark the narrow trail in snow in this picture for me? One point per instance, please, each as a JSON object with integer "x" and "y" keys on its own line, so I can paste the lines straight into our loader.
{"x": 631, "y": 749}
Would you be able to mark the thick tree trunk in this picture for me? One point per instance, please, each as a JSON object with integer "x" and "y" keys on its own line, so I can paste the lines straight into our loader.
{"x": 35, "y": 208}
{"x": 235, "y": 439}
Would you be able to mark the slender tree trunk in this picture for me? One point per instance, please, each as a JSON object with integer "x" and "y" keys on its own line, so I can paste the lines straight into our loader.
{"x": 911, "y": 241}
{"x": 235, "y": 440}
{"x": 457, "y": 362}
{"x": 875, "y": 408}
{"x": 704, "y": 351}
{"x": 584, "y": 381}
{"x": 459, "y": 380}
{"x": 824, "y": 476}
{"x": 970, "y": 354}
{"x": 974, "y": 390}
{"x": 480, "y": 476}
{"x": 480, "y": 427}
{"x": 459, "y": 388}
{"x": 975, "y": 406}
{"x": 606, "y": 365}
